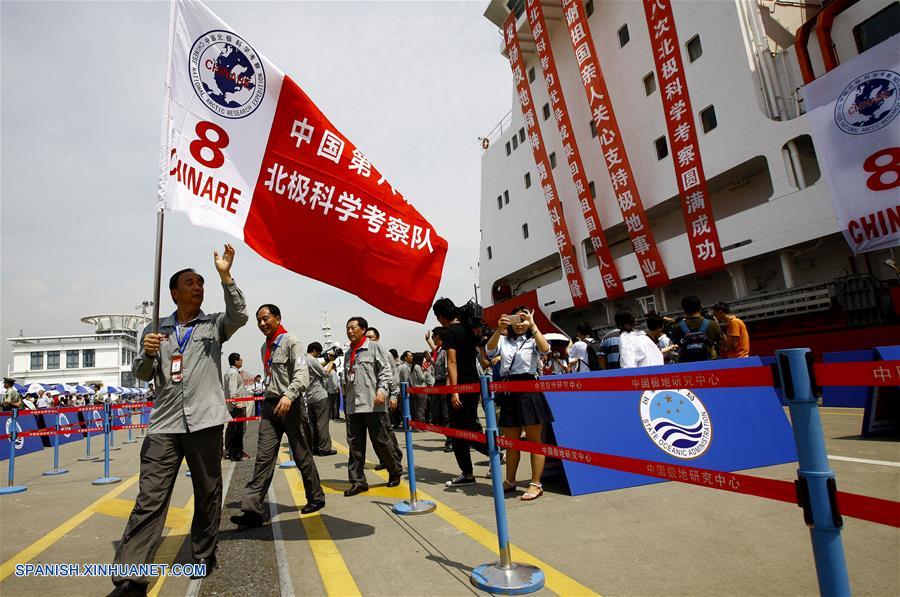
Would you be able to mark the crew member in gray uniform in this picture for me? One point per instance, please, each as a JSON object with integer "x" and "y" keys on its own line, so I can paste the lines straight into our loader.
{"x": 184, "y": 360}
{"x": 394, "y": 403}
{"x": 367, "y": 379}
{"x": 282, "y": 411}
{"x": 234, "y": 388}
{"x": 317, "y": 402}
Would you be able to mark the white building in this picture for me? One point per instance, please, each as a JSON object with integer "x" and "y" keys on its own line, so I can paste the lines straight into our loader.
{"x": 779, "y": 235}
{"x": 103, "y": 357}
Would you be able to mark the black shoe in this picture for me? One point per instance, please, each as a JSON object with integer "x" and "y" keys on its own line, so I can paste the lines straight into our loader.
{"x": 355, "y": 489}
{"x": 460, "y": 480}
{"x": 394, "y": 480}
{"x": 248, "y": 519}
{"x": 448, "y": 447}
{"x": 210, "y": 564}
{"x": 311, "y": 507}
{"x": 380, "y": 466}
{"x": 328, "y": 453}
{"x": 129, "y": 588}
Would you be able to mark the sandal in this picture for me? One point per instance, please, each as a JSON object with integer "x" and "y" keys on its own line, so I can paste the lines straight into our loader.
{"x": 509, "y": 487}
{"x": 528, "y": 497}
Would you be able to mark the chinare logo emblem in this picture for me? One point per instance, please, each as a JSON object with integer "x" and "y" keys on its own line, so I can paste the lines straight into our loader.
{"x": 677, "y": 422}
{"x": 227, "y": 74}
{"x": 20, "y": 441}
{"x": 870, "y": 102}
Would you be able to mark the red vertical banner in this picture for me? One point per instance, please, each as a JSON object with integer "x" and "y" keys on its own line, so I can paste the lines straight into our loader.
{"x": 613, "y": 148}
{"x": 542, "y": 162}
{"x": 699, "y": 221}
{"x": 612, "y": 283}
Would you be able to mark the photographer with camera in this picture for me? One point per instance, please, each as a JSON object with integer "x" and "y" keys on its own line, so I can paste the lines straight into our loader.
{"x": 520, "y": 353}
{"x": 317, "y": 403}
{"x": 461, "y": 344}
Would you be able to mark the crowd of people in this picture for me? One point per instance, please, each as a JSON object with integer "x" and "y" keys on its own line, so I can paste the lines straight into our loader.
{"x": 40, "y": 397}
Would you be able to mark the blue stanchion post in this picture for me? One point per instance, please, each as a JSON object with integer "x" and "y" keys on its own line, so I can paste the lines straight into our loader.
{"x": 816, "y": 488}
{"x": 413, "y": 505}
{"x": 130, "y": 439}
{"x": 13, "y": 430}
{"x": 504, "y": 577}
{"x": 56, "y": 470}
{"x": 87, "y": 438}
{"x": 112, "y": 432}
{"x": 106, "y": 479}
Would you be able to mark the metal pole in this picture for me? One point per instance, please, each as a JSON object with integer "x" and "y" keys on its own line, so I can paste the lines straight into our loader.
{"x": 413, "y": 505}
{"x": 87, "y": 439}
{"x": 130, "y": 439}
{"x": 505, "y": 577}
{"x": 12, "y": 430}
{"x": 106, "y": 479}
{"x": 816, "y": 486}
{"x": 157, "y": 268}
{"x": 56, "y": 470}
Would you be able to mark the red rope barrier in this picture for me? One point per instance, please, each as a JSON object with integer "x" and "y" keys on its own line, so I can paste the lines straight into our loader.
{"x": 873, "y": 373}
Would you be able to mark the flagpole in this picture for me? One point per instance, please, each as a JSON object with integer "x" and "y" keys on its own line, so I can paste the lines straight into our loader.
{"x": 157, "y": 272}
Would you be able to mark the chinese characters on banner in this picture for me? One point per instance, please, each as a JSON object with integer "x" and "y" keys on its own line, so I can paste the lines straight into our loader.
{"x": 699, "y": 221}
{"x": 542, "y": 162}
{"x": 247, "y": 152}
{"x": 613, "y": 148}
{"x": 608, "y": 272}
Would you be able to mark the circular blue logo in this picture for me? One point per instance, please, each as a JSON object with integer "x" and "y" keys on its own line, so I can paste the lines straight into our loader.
{"x": 677, "y": 422}
{"x": 870, "y": 102}
{"x": 227, "y": 74}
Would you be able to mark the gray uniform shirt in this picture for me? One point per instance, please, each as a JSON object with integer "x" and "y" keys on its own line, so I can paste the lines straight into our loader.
{"x": 289, "y": 375}
{"x": 371, "y": 372}
{"x": 12, "y": 397}
{"x": 404, "y": 371}
{"x": 395, "y": 379}
{"x": 440, "y": 365}
{"x": 418, "y": 377}
{"x": 234, "y": 387}
{"x": 316, "y": 392}
{"x": 198, "y": 401}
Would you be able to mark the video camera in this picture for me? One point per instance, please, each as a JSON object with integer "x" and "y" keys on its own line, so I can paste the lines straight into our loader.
{"x": 333, "y": 353}
{"x": 471, "y": 315}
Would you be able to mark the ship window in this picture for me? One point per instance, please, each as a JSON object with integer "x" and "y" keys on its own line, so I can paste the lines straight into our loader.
{"x": 624, "y": 38}
{"x": 490, "y": 253}
{"x": 592, "y": 189}
{"x": 708, "y": 118}
{"x": 589, "y": 7}
{"x": 546, "y": 111}
{"x": 71, "y": 359}
{"x": 694, "y": 48}
{"x": 649, "y": 84}
{"x": 37, "y": 360}
{"x": 524, "y": 230}
{"x": 528, "y": 180}
{"x": 508, "y": 150}
{"x": 662, "y": 149}
{"x": 499, "y": 201}
{"x": 505, "y": 197}
{"x": 515, "y": 141}
{"x": 877, "y": 28}
{"x": 593, "y": 129}
{"x": 553, "y": 160}
{"x": 531, "y": 75}
{"x": 52, "y": 359}
{"x": 87, "y": 357}
{"x": 522, "y": 135}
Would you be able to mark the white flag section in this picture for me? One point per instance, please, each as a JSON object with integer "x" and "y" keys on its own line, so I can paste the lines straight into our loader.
{"x": 854, "y": 112}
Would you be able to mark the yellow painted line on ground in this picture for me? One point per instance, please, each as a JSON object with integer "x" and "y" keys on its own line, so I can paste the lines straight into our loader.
{"x": 555, "y": 580}
{"x": 120, "y": 508}
{"x": 335, "y": 575}
{"x": 61, "y": 531}
{"x": 170, "y": 546}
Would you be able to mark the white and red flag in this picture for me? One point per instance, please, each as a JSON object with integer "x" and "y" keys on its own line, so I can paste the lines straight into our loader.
{"x": 245, "y": 151}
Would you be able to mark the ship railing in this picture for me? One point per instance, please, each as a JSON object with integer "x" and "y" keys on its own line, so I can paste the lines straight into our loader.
{"x": 504, "y": 125}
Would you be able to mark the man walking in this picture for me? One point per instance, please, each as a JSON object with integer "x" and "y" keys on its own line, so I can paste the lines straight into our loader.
{"x": 282, "y": 411}
{"x": 367, "y": 379}
{"x": 183, "y": 359}
{"x": 393, "y": 404}
{"x": 317, "y": 402}
{"x": 234, "y": 388}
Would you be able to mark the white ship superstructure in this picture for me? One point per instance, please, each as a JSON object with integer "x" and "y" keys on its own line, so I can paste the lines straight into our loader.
{"x": 776, "y": 224}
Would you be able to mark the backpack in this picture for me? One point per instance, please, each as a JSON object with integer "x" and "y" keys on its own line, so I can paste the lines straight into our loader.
{"x": 593, "y": 358}
{"x": 694, "y": 345}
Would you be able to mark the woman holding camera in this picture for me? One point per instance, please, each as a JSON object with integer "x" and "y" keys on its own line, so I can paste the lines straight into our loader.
{"x": 520, "y": 352}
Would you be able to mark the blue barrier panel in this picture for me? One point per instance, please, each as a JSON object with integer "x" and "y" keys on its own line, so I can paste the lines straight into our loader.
{"x": 848, "y": 397}
{"x": 882, "y": 414}
{"x": 725, "y": 429}
{"x": 64, "y": 419}
{"x": 24, "y": 445}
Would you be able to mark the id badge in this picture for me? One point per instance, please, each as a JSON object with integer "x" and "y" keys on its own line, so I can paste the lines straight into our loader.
{"x": 266, "y": 380}
{"x": 175, "y": 370}
{"x": 351, "y": 376}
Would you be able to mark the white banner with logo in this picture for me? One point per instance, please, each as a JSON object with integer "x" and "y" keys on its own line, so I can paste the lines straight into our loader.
{"x": 854, "y": 113}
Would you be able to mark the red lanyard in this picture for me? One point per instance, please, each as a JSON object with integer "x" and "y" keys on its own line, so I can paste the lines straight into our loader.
{"x": 276, "y": 340}
{"x": 355, "y": 350}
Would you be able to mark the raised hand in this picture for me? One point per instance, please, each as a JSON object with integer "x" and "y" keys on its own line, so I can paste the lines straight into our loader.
{"x": 223, "y": 263}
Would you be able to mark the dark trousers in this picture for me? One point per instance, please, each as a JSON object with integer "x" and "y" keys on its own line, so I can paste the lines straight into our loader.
{"x": 396, "y": 416}
{"x": 334, "y": 401}
{"x": 318, "y": 421}
{"x": 161, "y": 456}
{"x": 419, "y": 404}
{"x": 357, "y": 425}
{"x": 386, "y": 423}
{"x": 271, "y": 429}
{"x": 438, "y": 405}
{"x": 466, "y": 418}
{"x": 234, "y": 435}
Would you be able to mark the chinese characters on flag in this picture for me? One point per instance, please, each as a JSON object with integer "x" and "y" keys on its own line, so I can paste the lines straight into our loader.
{"x": 698, "y": 216}
{"x": 542, "y": 162}
{"x": 608, "y": 272}
{"x": 245, "y": 151}
{"x": 612, "y": 147}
